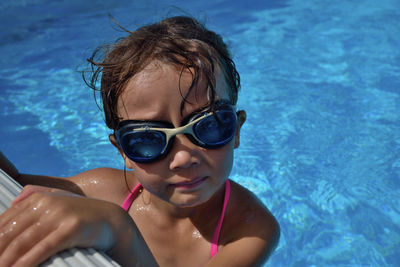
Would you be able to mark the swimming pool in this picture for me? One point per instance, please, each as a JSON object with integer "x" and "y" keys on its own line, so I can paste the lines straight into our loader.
{"x": 320, "y": 83}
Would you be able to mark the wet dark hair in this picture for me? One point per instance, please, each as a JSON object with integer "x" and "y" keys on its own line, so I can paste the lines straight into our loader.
{"x": 180, "y": 41}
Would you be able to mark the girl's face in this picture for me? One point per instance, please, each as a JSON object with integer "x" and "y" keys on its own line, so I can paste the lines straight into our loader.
{"x": 189, "y": 174}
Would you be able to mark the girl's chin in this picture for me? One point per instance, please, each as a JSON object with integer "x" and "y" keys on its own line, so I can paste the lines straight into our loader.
{"x": 190, "y": 202}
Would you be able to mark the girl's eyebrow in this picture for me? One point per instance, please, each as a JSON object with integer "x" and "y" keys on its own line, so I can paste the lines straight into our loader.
{"x": 168, "y": 124}
{"x": 206, "y": 108}
{"x": 202, "y": 109}
{"x": 218, "y": 103}
{"x": 199, "y": 110}
{"x": 196, "y": 112}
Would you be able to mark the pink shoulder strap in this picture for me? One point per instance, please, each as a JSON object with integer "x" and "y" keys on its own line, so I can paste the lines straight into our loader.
{"x": 131, "y": 197}
{"x": 217, "y": 231}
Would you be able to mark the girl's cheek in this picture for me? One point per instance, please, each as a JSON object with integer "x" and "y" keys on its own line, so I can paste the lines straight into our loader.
{"x": 223, "y": 160}
{"x": 151, "y": 178}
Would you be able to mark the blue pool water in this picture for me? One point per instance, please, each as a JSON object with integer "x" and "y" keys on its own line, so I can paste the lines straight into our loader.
{"x": 320, "y": 83}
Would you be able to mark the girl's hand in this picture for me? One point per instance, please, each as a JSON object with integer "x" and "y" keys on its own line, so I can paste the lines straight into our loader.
{"x": 43, "y": 221}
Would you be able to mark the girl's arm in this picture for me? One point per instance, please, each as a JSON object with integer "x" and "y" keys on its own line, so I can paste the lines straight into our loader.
{"x": 47, "y": 221}
{"x": 25, "y": 179}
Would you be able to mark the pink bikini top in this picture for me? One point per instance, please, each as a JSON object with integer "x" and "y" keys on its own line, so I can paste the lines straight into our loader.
{"x": 214, "y": 242}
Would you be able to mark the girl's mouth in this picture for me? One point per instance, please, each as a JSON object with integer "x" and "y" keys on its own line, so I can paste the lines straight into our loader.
{"x": 190, "y": 184}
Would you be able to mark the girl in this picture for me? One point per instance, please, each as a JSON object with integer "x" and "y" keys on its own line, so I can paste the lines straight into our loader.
{"x": 169, "y": 92}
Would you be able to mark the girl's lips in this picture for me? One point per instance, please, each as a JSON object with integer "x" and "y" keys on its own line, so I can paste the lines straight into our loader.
{"x": 190, "y": 184}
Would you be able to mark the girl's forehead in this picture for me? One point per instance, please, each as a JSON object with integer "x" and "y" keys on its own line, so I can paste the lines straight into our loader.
{"x": 158, "y": 90}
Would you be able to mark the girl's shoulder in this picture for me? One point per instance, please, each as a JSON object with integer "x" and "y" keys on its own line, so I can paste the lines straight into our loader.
{"x": 246, "y": 206}
{"x": 105, "y": 183}
{"x": 249, "y": 221}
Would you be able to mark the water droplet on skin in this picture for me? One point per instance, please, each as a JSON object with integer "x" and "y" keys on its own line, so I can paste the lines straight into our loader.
{"x": 143, "y": 208}
{"x": 47, "y": 212}
{"x": 14, "y": 223}
{"x": 34, "y": 208}
{"x": 90, "y": 183}
{"x": 196, "y": 234}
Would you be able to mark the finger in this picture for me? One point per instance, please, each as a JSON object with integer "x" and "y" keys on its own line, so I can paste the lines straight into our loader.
{"x": 29, "y": 190}
{"x": 10, "y": 213}
{"x": 13, "y": 224}
{"x": 22, "y": 243}
{"x": 20, "y": 217}
{"x": 22, "y": 208}
{"x": 53, "y": 243}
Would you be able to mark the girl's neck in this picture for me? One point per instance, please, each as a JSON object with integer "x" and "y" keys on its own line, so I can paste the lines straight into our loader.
{"x": 175, "y": 213}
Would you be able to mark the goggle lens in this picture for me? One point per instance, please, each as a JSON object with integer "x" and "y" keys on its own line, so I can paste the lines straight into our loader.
{"x": 143, "y": 146}
{"x": 215, "y": 131}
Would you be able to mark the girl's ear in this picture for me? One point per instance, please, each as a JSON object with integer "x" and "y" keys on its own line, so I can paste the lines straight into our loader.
{"x": 241, "y": 118}
{"x": 113, "y": 141}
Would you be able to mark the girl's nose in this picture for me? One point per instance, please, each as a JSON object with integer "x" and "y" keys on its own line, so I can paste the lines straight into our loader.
{"x": 184, "y": 153}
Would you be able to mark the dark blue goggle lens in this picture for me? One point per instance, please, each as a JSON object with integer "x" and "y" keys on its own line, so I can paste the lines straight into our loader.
{"x": 213, "y": 131}
{"x": 143, "y": 146}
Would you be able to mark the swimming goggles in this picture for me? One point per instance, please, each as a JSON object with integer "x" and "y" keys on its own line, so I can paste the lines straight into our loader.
{"x": 147, "y": 141}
